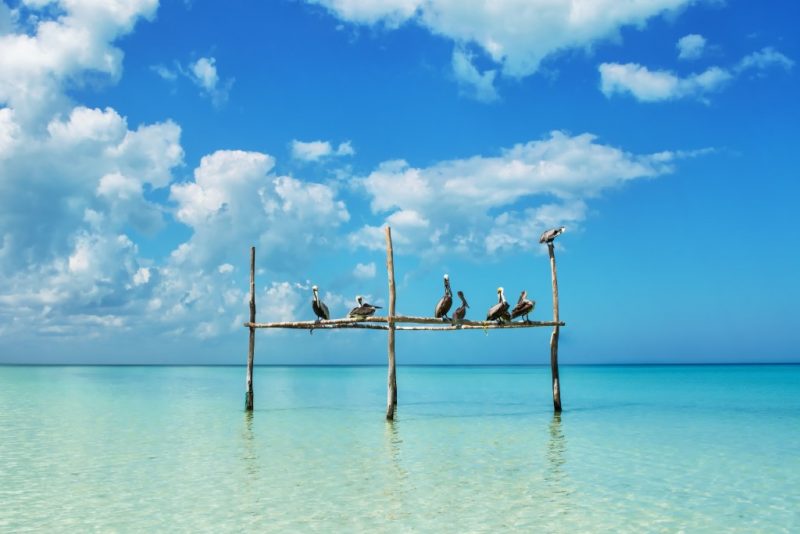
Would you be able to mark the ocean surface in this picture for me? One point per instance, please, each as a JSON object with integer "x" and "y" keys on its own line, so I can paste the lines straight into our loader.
{"x": 474, "y": 449}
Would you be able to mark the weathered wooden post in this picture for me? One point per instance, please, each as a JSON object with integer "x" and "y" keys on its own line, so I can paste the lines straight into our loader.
{"x": 248, "y": 399}
{"x": 391, "y": 395}
{"x": 554, "y": 336}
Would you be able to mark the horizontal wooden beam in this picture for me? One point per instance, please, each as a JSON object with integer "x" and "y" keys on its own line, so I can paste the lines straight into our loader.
{"x": 368, "y": 323}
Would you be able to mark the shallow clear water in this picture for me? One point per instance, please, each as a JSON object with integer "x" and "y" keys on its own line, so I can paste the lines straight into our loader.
{"x": 475, "y": 449}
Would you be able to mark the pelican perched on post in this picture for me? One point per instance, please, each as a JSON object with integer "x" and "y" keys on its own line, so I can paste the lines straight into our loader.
{"x": 319, "y": 307}
{"x": 363, "y": 310}
{"x": 461, "y": 311}
{"x": 499, "y": 311}
{"x": 523, "y": 307}
{"x": 443, "y": 306}
{"x": 549, "y": 235}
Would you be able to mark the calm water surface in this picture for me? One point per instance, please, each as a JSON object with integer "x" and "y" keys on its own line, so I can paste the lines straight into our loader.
{"x": 696, "y": 449}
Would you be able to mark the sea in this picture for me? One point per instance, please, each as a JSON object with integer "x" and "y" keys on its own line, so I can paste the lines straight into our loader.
{"x": 473, "y": 449}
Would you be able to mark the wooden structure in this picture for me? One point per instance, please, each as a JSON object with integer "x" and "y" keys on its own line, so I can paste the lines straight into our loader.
{"x": 390, "y": 322}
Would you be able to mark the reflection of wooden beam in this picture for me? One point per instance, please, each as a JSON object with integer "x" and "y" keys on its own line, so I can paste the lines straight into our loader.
{"x": 391, "y": 394}
{"x": 248, "y": 396}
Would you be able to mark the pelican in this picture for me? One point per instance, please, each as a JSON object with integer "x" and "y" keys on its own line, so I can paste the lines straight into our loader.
{"x": 461, "y": 311}
{"x": 443, "y": 306}
{"x": 523, "y": 307}
{"x": 549, "y": 235}
{"x": 499, "y": 311}
{"x": 363, "y": 310}
{"x": 319, "y": 307}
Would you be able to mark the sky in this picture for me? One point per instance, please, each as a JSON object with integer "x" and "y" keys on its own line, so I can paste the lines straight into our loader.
{"x": 146, "y": 145}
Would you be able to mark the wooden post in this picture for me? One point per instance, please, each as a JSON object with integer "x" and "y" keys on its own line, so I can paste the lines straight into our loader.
{"x": 391, "y": 395}
{"x": 248, "y": 398}
{"x": 554, "y": 336}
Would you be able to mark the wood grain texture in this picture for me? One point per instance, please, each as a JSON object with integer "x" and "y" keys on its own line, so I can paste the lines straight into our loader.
{"x": 391, "y": 394}
{"x": 554, "y": 336}
{"x": 248, "y": 398}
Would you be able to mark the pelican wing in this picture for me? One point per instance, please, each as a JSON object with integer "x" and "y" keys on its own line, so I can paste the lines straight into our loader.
{"x": 443, "y": 306}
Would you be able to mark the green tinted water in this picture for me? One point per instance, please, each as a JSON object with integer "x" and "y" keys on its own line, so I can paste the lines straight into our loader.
{"x": 473, "y": 449}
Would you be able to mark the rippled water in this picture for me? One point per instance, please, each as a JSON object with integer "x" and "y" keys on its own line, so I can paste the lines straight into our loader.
{"x": 474, "y": 449}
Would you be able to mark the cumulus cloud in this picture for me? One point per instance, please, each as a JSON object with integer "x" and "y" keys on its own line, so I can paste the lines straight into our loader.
{"x": 364, "y": 270}
{"x": 658, "y": 85}
{"x": 203, "y": 73}
{"x": 471, "y": 204}
{"x": 516, "y": 35}
{"x": 691, "y": 46}
{"x": 392, "y": 13}
{"x": 317, "y": 150}
{"x": 655, "y": 85}
{"x": 763, "y": 59}
{"x": 475, "y": 84}
{"x": 165, "y": 73}
{"x": 85, "y": 169}
{"x": 34, "y": 67}
{"x": 235, "y": 193}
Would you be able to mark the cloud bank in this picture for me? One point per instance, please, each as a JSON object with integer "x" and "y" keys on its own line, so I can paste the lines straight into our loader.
{"x": 515, "y": 35}
{"x": 648, "y": 85}
{"x": 471, "y": 205}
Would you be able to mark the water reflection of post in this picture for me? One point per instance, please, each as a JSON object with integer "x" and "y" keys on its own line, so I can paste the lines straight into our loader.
{"x": 395, "y": 492}
{"x": 249, "y": 456}
{"x": 554, "y": 476}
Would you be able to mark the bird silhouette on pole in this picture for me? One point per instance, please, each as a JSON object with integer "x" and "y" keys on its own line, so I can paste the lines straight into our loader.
{"x": 363, "y": 310}
{"x": 523, "y": 308}
{"x": 499, "y": 312}
{"x": 319, "y": 307}
{"x": 549, "y": 235}
{"x": 461, "y": 311}
{"x": 444, "y": 304}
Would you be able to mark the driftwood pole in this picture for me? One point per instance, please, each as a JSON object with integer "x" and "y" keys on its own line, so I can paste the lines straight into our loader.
{"x": 391, "y": 394}
{"x": 248, "y": 398}
{"x": 554, "y": 336}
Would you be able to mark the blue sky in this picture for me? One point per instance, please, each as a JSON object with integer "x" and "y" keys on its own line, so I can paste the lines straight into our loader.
{"x": 144, "y": 147}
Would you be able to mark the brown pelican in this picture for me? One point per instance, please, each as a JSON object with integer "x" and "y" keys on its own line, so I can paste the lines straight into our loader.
{"x": 499, "y": 311}
{"x": 461, "y": 311}
{"x": 523, "y": 307}
{"x": 319, "y": 307}
{"x": 443, "y": 306}
{"x": 363, "y": 310}
{"x": 549, "y": 235}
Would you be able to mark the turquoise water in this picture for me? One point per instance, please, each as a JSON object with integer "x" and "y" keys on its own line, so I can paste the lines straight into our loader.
{"x": 474, "y": 449}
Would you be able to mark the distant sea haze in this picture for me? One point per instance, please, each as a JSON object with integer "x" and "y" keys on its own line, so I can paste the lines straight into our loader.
{"x": 473, "y": 448}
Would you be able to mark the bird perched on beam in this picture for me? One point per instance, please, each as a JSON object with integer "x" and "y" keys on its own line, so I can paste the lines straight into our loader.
{"x": 363, "y": 310}
{"x": 549, "y": 235}
{"x": 461, "y": 311}
{"x": 499, "y": 312}
{"x": 523, "y": 307}
{"x": 319, "y": 307}
{"x": 444, "y": 304}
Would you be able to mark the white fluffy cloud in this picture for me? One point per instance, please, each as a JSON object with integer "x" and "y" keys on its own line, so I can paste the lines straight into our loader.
{"x": 691, "y": 46}
{"x": 364, "y": 270}
{"x": 317, "y": 150}
{"x": 235, "y": 194}
{"x": 517, "y": 35}
{"x": 765, "y": 58}
{"x": 469, "y": 204}
{"x": 476, "y": 84}
{"x": 203, "y": 73}
{"x": 657, "y": 85}
{"x": 35, "y": 67}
